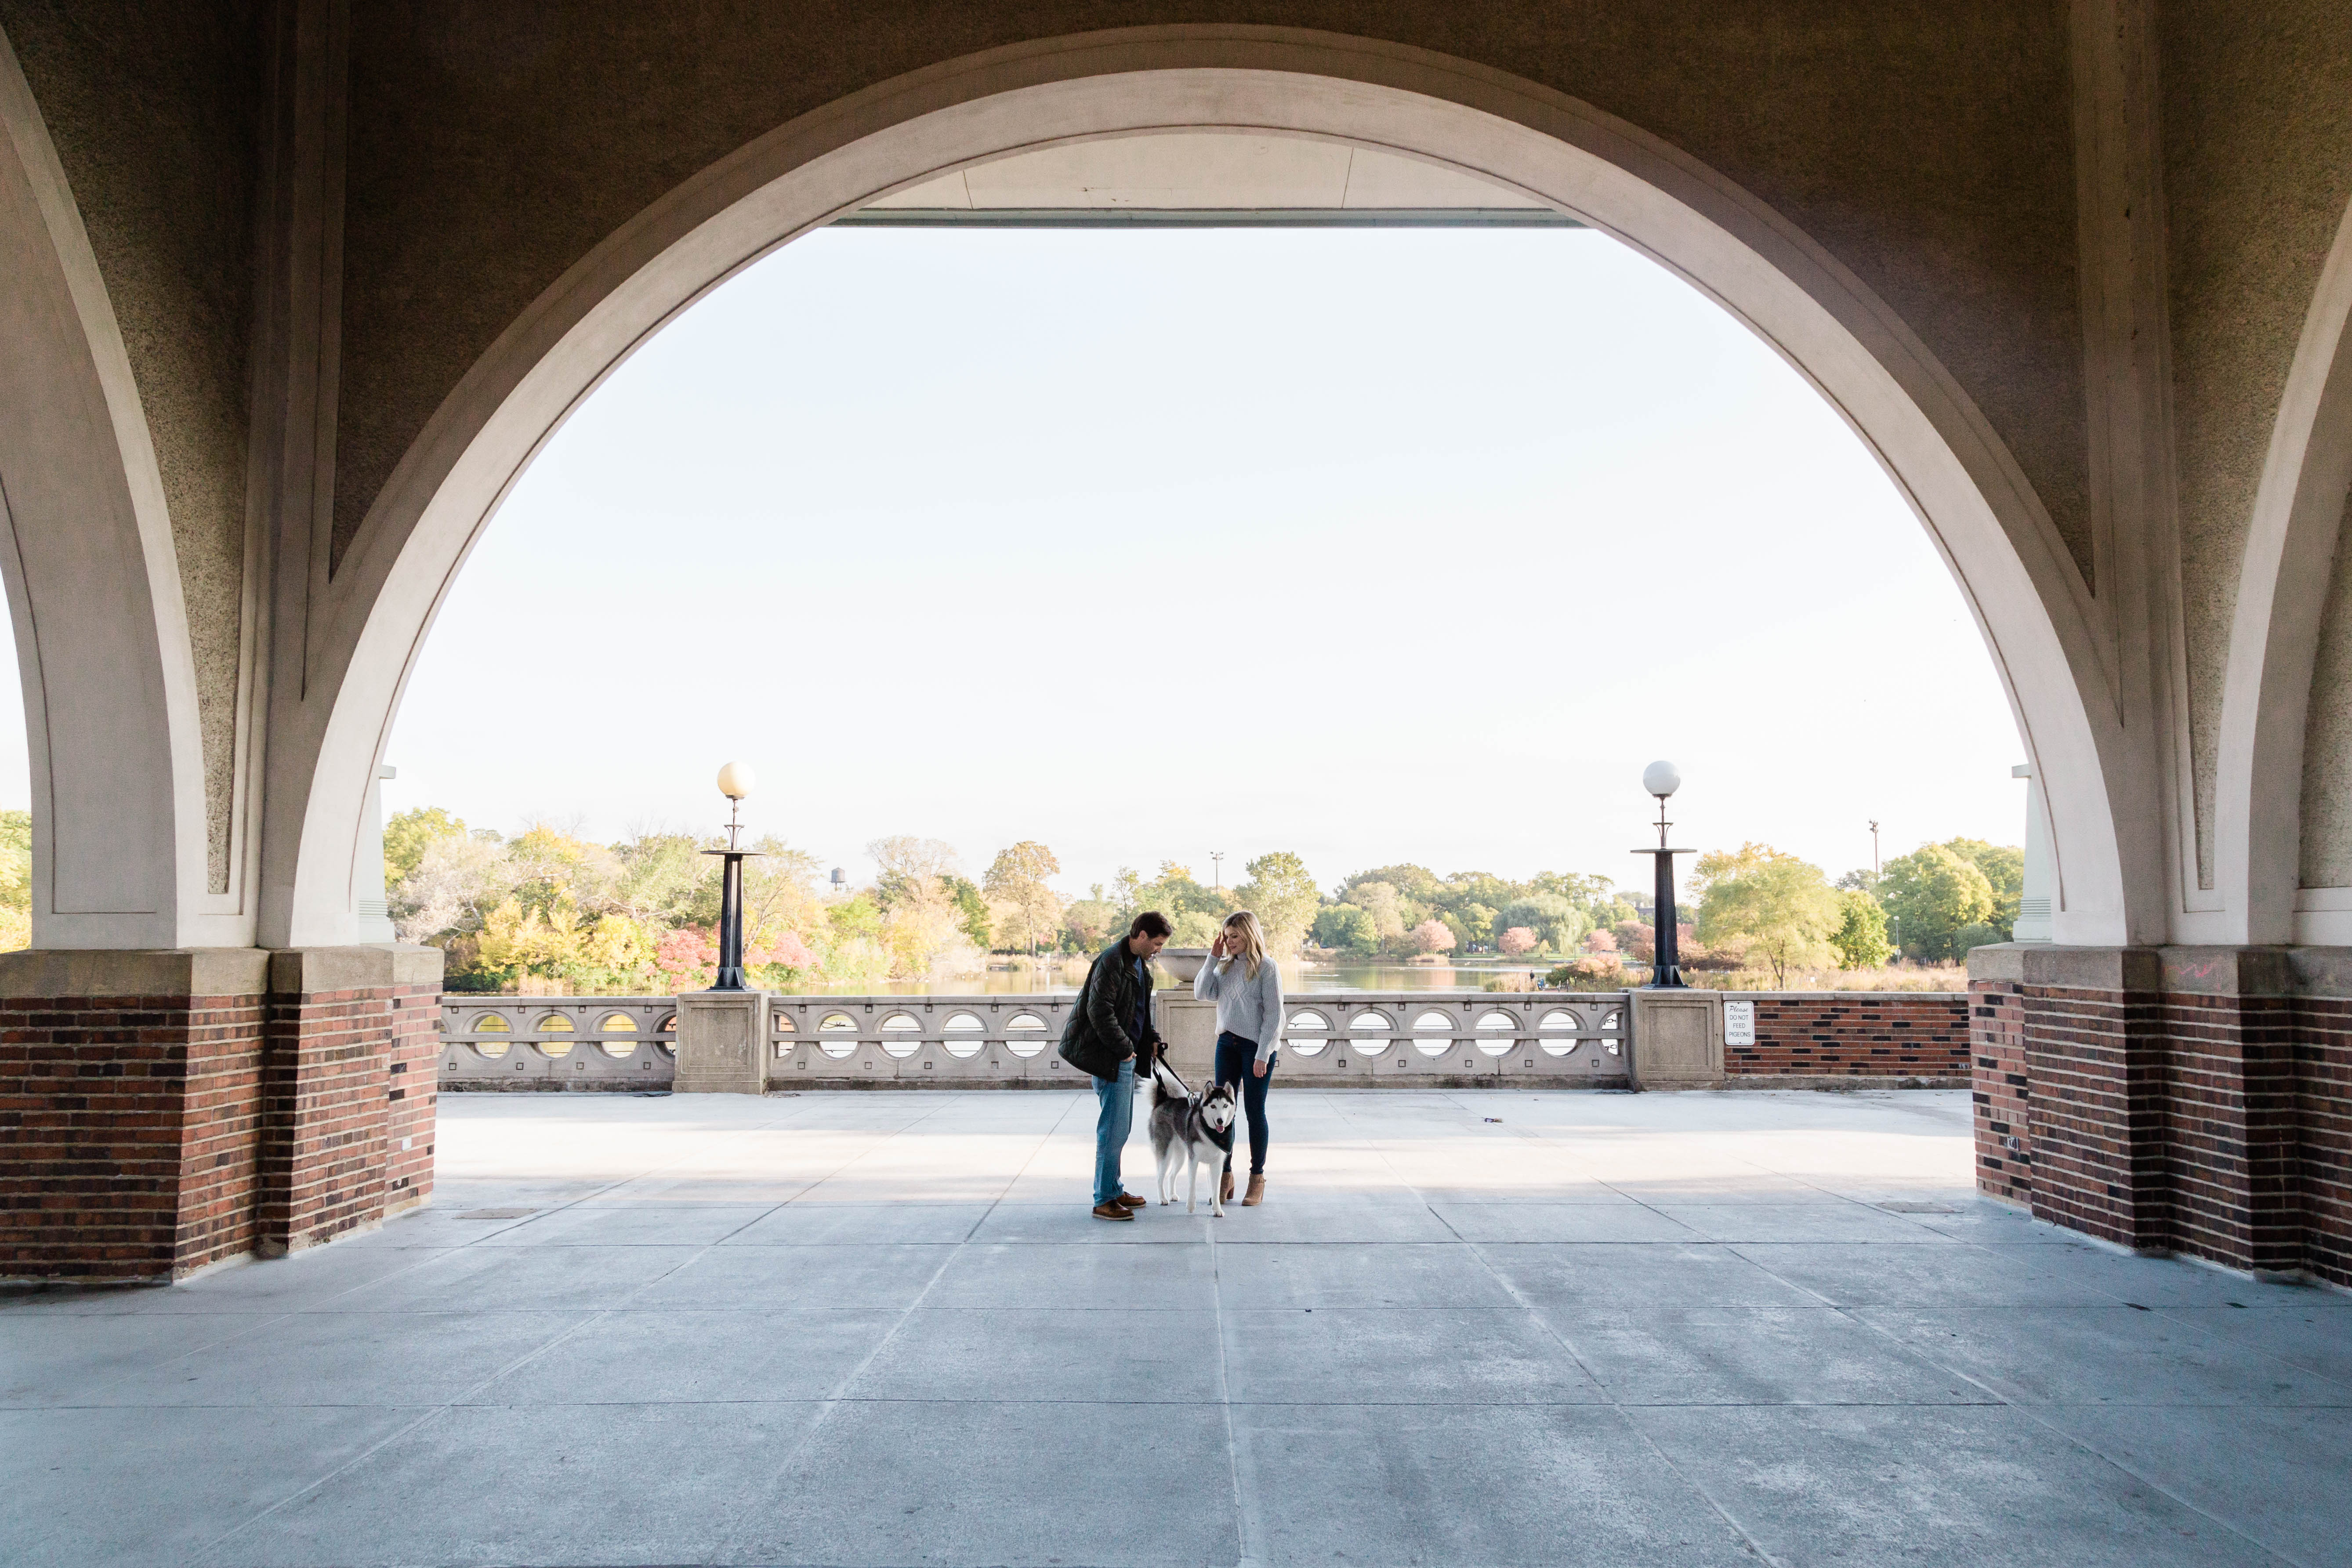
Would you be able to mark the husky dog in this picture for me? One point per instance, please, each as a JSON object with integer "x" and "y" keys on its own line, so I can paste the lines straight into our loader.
{"x": 1190, "y": 1130}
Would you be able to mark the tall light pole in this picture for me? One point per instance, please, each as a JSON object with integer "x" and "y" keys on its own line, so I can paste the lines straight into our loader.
{"x": 734, "y": 782}
{"x": 1662, "y": 779}
{"x": 1216, "y": 870}
{"x": 1874, "y": 852}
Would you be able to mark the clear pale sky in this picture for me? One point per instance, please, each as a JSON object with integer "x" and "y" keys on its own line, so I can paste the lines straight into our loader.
{"x": 1373, "y": 546}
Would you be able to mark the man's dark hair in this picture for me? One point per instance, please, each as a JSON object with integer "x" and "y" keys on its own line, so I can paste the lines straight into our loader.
{"x": 1150, "y": 922}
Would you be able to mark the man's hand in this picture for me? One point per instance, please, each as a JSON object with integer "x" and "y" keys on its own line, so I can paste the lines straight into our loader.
{"x": 1258, "y": 1067}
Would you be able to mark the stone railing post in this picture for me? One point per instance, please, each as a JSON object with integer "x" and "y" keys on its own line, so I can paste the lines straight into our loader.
{"x": 722, "y": 1043}
{"x": 1677, "y": 1039}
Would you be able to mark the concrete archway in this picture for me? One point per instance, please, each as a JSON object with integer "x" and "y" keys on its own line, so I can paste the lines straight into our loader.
{"x": 2275, "y": 641}
{"x": 1969, "y": 492}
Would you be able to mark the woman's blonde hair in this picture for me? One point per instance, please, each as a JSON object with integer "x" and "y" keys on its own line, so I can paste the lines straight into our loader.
{"x": 1252, "y": 940}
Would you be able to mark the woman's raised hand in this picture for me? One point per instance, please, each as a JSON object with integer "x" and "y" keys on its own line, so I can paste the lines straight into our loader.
{"x": 1217, "y": 948}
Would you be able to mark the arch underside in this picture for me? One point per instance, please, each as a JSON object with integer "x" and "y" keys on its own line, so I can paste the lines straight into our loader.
{"x": 2030, "y": 600}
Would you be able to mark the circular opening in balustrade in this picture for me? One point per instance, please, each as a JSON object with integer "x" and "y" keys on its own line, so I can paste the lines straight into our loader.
{"x": 1024, "y": 1035}
{"x": 491, "y": 1023}
{"x": 557, "y": 1048}
{"x": 619, "y": 1050}
{"x": 493, "y": 1050}
{"x": 1307, "y": 1035}
{"x": 962, "y": 1032}
{"x": 1565, "y": 1022}
{"x": 899, "y": 1032}
{"x": 835, "y": 1035}
{"x": 617, "y": 1024}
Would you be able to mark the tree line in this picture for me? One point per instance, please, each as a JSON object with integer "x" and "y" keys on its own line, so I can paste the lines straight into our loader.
{"x": 548, "y": 908}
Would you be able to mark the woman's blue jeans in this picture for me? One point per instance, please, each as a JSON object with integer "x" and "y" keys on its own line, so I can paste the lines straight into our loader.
{"x": 1234, "y": 1056}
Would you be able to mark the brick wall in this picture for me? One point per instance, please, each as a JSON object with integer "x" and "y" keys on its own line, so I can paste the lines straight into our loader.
{"x": 130, "y": 1131}
{"x": 145, "y": 1136}
{"x": 2004, "y": 1104}
{"x": 2195, "y": 1103}
{"x": 1849, "y": 1034}
{"x": 2323, "y": 1053}
{"x": 2230, "y": 1140}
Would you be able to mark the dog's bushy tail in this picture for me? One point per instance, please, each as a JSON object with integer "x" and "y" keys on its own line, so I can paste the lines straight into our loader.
{"x": 1165, "y": 1084}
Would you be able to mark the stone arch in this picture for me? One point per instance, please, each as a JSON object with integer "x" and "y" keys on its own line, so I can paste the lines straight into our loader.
{"x": 93, "y": 584}
{"x": 2286, "y": 582}
{"x": 2030, "y": 599}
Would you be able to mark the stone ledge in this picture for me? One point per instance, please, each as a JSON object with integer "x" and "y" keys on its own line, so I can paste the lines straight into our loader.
{"x": 303, "y": 971}
{"x": 59, "y": 972}
{"x": 2200, "y": 971}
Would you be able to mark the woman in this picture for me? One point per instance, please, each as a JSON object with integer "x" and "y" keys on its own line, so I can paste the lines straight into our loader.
{"x": 1247, "y": 989}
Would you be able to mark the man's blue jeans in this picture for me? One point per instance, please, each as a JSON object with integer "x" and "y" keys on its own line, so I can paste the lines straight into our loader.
{"x": 1115, "y": 1097}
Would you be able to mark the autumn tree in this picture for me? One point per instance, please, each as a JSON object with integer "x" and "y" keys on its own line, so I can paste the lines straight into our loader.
{"x": 904, "y": 860}
{"x": 1771, "y": 905}
{"x": 1017, "y": 879}
{"x": 409, "y": 834}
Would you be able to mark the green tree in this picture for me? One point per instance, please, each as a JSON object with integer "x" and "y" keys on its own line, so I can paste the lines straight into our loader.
{"x": 1017, "y": 878}
{"x": 1555, "y": 921}
{"x": 2004, "y": 868}
{"x": 1861, "y": 936}
{"x": 1349, "y": 929}
{"x": 973, "y": 906}
{"x": 1771, "y": 905}
{"x": 409, "y": 834}
{"x": 1283, "y": 897}
{"x": 1933, "y": 895}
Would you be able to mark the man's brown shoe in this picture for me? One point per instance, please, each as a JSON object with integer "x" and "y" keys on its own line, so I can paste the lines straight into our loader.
{"x": 1227, "y": 1196}
{"x": 1113, "y": 1210}
{"x": 1257, "y": 1190}
{"x": 1130, "y": 1200}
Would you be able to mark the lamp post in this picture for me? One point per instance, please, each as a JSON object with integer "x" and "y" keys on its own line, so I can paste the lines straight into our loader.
{"x": 1662, "y": 780}
{"x": 734, "y": 782}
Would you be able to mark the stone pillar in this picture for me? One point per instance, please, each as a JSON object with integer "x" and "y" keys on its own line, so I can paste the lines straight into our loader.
{"x": 1190, "y": 1029}
{"x": 1677, "y": 1039}
{"x": 722, "y": 1043}
{"x": 163, "y": 1111}
{"x": 349, "y": 1090}
{"x": 2190, "y": 1100}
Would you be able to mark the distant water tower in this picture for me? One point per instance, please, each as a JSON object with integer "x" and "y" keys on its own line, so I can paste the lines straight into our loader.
{"x": 840, "y": 878}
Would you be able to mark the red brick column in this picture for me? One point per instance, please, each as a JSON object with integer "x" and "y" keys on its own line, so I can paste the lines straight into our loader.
{"x": 2231, "y": 1138}
{"x": 160, "y": 1111}
{"x": 129, "y": 1111}
{"x": 2189, "y": 1099}
{"x": 346, "y": 1056}
{"x": 2324, "y": 1129}
{"x": 2003, "y": 1096}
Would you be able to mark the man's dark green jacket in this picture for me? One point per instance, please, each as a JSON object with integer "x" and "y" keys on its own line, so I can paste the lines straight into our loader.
{"x": 1097, "y": 1038}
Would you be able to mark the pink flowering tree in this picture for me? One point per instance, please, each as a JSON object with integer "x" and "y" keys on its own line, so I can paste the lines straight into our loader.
{"x": 1431, "y": 936}
{"x": 1516, "y": 940}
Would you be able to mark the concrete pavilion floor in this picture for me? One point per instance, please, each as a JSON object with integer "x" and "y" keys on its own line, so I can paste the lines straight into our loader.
{"x": 1485, "y": 1328}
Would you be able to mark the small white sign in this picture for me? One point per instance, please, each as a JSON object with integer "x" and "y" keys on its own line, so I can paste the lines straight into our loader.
{"x": 1740, "y": 1023}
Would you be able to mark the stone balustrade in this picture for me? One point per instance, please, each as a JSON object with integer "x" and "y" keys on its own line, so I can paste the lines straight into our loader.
{"x": 1340, "y": 1038}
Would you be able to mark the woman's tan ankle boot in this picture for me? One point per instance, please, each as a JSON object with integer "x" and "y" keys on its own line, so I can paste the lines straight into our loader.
{"x": 1256, "y": 1189}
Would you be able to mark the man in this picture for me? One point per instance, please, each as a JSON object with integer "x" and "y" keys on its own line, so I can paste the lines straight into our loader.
{"x": 1108, "y": 1034}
